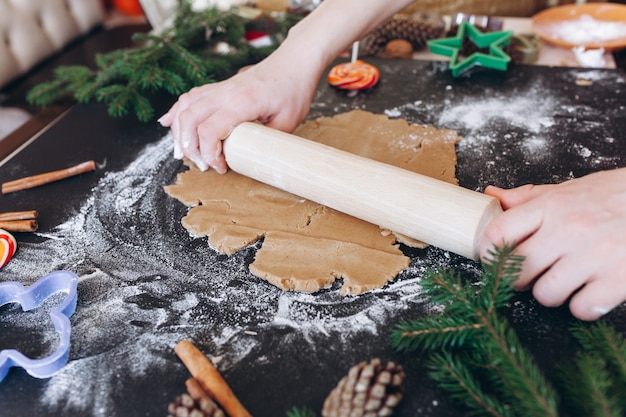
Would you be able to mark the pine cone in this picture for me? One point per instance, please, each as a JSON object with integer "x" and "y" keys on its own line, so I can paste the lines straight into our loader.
{"x": 185, "y": 406}
{"x": 416, "y": 28}
{"x": 369, "y": 390}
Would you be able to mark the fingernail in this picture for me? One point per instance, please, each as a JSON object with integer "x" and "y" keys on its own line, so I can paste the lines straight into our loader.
{"x": 600, "y": 310}
{"x": 163, "y": 119}
{"x": 178, "y": 153}
{"x": 202, "y": 166}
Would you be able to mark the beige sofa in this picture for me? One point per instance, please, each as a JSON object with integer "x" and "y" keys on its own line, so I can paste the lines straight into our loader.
{"x": 31, "y": 30}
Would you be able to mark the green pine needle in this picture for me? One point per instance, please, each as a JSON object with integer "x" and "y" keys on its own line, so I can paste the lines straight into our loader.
{"x": 432, "y": 333}
{"x": 601, "y": 340}
{"x": 599, "y": 372}
{"x": 588, "y": 389}
{"x": 301, "y": 412}
{"x": 179, "y": 58}
{"x": 455, "y": 375}
{"x": 472, "y": 332}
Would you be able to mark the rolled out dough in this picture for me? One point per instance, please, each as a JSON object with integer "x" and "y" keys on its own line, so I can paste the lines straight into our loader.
{"x": 307, "y": 246}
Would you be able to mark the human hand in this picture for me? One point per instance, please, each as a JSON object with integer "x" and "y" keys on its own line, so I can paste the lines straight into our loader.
{"x": 573, "y": 238}
{"x": 275, "y": 94}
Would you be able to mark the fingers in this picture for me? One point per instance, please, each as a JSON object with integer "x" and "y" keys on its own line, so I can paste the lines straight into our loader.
{"x": 570, "y": 238}
{"x": 517, "y": 196}
{"x": 516, "y": 224}
{"x": 210, "y": 133}
{"x": 199, "y": 123}
{"x": 597, "y": 298}
{"x": 560, "y": 281}
{"x": 590, "y": 297}
{"x": 511, "y": 227}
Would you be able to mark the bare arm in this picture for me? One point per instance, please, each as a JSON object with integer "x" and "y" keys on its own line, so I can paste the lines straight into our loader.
{"x": 277, "y": 91}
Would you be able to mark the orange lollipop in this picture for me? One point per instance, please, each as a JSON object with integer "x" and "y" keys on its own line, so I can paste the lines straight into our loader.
{"x": 356, "y": 75}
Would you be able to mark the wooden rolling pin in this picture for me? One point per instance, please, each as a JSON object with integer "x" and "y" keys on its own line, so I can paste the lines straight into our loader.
{"x": 438, "y": 213}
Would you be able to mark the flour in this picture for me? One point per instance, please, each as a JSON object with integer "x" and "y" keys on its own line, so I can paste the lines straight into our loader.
{"x": 597, "y": 75}
{"x": 586, "y": 29}
{"x": 145, "y": 284}
{"x": 526, "y": 115}
{"x": 530, "y": 110}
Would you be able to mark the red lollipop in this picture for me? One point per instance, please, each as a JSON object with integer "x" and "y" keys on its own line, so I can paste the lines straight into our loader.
{"x": 357, "y": 75}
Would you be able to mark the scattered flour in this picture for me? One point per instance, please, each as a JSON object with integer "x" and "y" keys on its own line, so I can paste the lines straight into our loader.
{"x": 145, "y": 284}
{"x": 530, "y": 110}
{"x": 525, "y": 116}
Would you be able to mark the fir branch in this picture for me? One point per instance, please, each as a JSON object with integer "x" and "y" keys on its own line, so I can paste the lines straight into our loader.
{"x": 520, "y": 375}
{"x": 180, "y": 57}
{"x": 588, "y": 388}
{"x": 454, "y": 375}
{"x": 601, "y": 363}
{"x": 601, "y": 340}
{"x": 143, "y": 110}
{"x": 67, "y": 79}
{"x": 471, "y": 319}
{"x": 502, "y": 268}
{"x": 432, "y": 333}
{"x": 118, "y": 98}
{"x": 301, "y": 412}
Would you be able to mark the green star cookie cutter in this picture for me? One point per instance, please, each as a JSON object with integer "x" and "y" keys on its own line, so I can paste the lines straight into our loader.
{"x": 492, "y": 41}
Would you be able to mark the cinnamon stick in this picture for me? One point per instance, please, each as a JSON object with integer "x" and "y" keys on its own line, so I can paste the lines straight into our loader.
{"x": 19, "y": 225}
{"x": 48, "y": 177}
{"x": 18, "y": 215}
{"x": 209, "y": 378}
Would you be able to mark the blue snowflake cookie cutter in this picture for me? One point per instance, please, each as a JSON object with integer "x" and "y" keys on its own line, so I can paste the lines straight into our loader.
{"x": 30, "y": 298}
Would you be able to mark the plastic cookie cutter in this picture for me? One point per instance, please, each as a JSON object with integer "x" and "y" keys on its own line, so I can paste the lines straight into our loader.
{"x": 491, "y": 41}
{"x": 32, "y": 297}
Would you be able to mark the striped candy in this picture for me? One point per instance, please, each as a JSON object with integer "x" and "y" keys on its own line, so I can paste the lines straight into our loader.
{"x": 8, "y": 246}
{"x": 356, "y": 75}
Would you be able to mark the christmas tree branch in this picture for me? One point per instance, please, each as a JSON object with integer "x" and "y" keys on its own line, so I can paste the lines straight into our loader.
{"x": 607, "y": 343}
{"x": 201, "y": 47}
{"x": 455, "y": 376}
{"x": 520, "y": 375}
{"x": 471, "y": 321}
{"x": 479, "y": 361}
{"x": 599, "y": 370}
{"x": 588, "y": 388}
{"x": 301, "y": 412}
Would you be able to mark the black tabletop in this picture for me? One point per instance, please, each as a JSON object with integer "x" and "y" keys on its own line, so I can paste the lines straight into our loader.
{"x": 146, "y": 284}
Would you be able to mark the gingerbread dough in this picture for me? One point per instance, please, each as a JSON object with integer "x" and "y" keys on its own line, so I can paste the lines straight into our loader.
{"x": 307, "y": 246}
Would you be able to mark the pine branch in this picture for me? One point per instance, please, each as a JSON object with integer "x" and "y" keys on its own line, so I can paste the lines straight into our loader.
{"x": 599, "y": 370}
{"x": 454, "y": 374}
{"x": 502, "y": 268}
{"x": 588, "y": 388}
{"x": 603, "y": 341}
{"x": 301, "y": 412}
{"x": 432, "y": 333}
{"x": 520, "y": 375}
{"x": 471, "y": 319}
{"x": 179, "y": 58}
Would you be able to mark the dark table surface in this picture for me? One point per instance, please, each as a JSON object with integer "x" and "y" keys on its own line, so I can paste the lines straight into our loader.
{"x": 146, "y": 284}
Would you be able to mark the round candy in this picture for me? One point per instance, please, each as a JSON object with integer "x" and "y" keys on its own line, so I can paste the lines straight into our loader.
{"x": 356, "y": 75}
{"x": 8, "y": 246}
